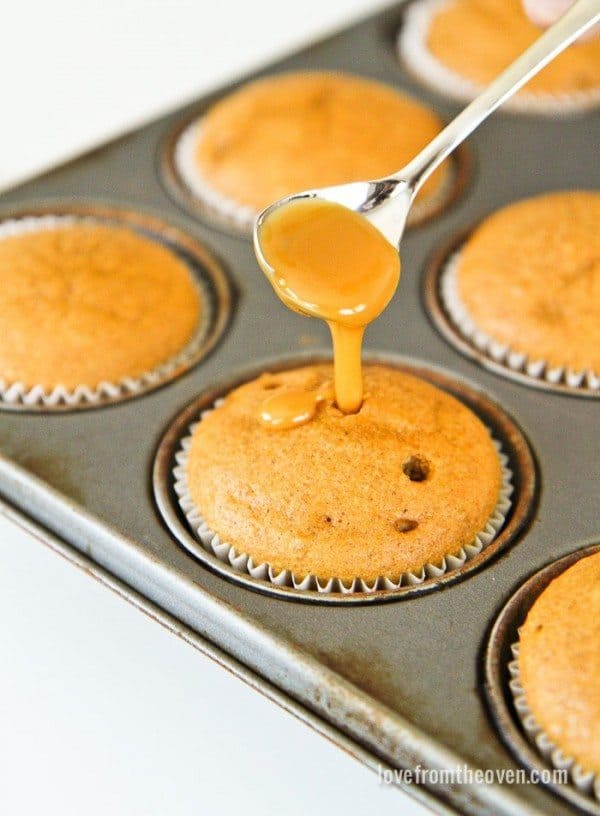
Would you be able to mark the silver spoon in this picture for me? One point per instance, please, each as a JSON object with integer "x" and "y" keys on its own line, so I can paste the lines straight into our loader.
{"x": 386, "y": 202}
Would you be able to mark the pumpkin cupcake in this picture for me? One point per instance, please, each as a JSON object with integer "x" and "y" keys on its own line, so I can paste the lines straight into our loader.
{"x": 460, "y": 46}
{"x": 411, "y": 485}
{"x": 295, "y": 131}
{"x": 525, "y": 287}
{"x": 87, "y": 306}
{"x": 558, "y": 672}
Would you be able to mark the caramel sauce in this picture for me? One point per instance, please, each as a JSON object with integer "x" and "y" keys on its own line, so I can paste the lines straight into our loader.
{"x": 290, "y": 408}
{"x": 294, "y": 406}
{"x": 331, "y": 263}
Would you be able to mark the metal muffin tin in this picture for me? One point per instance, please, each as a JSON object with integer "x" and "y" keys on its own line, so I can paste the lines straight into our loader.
{"x": 395, "y": 683}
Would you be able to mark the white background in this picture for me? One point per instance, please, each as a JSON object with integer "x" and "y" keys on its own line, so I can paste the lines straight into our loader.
{"x": 101, "y": 710}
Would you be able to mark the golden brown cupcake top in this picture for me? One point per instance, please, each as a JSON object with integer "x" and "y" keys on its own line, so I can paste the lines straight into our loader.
{"x": 559, "y": 661}
{"x": 477, "y": 39}
{"x": 411, "y": 478}
{"x": 529, "y": 276}
{"x": 290, "y": 132}
{"x": 85, "y": 302}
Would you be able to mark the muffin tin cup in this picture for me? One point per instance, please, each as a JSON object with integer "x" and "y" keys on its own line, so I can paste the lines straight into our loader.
{"x": 453, "y": 321}
{"x": 185, "y": 521}
{"x": 517, "y": 725}
{"x": 189, "y": 188}
{"x": 413, "y": 52}
{"x": 209, "y": 278}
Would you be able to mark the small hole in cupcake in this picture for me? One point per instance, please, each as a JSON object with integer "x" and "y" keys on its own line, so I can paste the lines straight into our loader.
{"x": 328, "y": 519}
{"x": 416, "y": 468}
{"x": 404, "y": 525}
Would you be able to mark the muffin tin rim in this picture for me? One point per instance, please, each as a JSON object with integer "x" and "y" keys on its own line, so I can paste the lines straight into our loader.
{"x": 499, "y": 638}
{"x": 216, "y": 282}
{"x": 515, "y": 445}
{"x": 440, "y": 319}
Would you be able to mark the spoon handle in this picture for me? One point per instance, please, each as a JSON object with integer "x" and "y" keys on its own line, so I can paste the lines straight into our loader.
{"x": 581, "y": 16}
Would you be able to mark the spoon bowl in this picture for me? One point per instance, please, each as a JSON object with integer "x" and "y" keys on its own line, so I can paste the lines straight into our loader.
{"x": 384, "y": 202}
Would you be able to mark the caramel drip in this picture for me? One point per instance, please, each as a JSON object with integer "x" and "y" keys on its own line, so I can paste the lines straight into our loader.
{"x": 289, "y": 409}
{"x": 327, "y": 261}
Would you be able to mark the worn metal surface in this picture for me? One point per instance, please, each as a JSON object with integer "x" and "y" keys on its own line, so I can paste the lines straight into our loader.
{"x": 402, "y": 680}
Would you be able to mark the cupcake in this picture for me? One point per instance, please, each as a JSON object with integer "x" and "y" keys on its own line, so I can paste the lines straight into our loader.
{"x": 87, "y": 306}
{"x": 558, "y": 671}
{"x": 460, "y": 46}
{"x": 292, "y": 132}
{"x": 412, "y": 484}
{"x": 525, "y": 287}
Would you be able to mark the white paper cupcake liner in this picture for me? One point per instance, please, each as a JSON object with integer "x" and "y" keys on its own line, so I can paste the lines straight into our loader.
{"x": 502, "y": 353}
{"x": 15, "y": 394}
{"x": 587, "y": 782}
{"x": 243, "y": 563}
{"x": 242, "y": 217}
{"x": 413, "y": 50}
